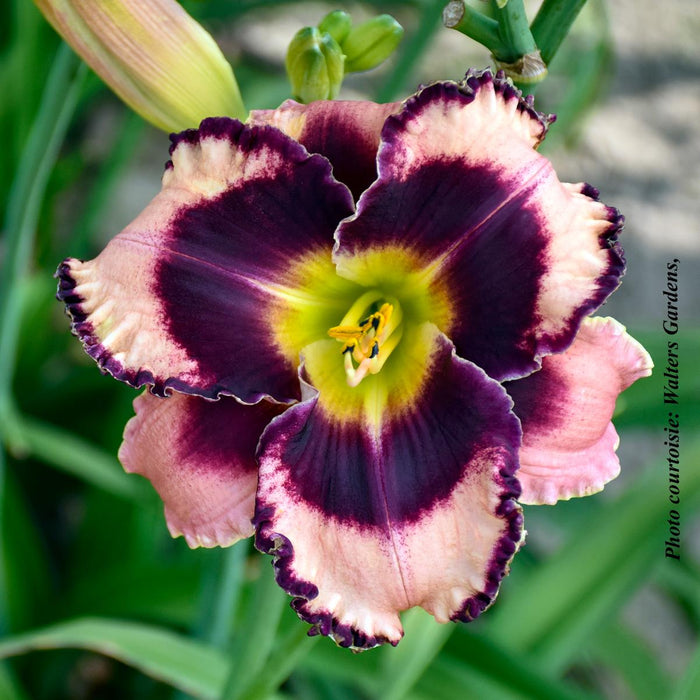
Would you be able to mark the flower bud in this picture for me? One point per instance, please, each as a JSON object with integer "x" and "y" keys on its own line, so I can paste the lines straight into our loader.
{"x": 314, "y": 65}
{"x": 158, "y": 59}
{"x": 371, "y": 42}
{"x": 337, "y": 24}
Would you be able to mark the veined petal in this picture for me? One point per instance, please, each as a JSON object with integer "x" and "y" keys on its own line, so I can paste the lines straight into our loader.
{"x": 161, "y": 62}
{"x": 565, "y": 408}
{"x": 401, "y": 504}
{"x": 198, "y": 292}
{"x": 466, "y": 201}
{"x": 345, "y": 132}
{"x": 200, "y": 457}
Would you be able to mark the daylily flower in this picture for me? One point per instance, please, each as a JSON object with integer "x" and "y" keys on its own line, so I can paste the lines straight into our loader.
{"x": 158, "y": 59}
{"x": 371, "y": 345}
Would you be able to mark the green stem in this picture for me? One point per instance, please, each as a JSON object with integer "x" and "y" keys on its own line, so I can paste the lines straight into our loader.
{"x": 38, "y": 158}
{"x": 27, "y": 191}
{"x": 256, "y": 637}
{"x": 401, "y": 668}
{"x": 25, "y": 436}
{"x": 290, "y": 650}
{"x": 397, "y": 81}
{"x": 4, "y": 603}
{"x": 222, "y": 580}
{"x": 514, "y": 31}
{"x": 231, "y": 578}
{"x": 552, "y": 23}
{"x": 472, "y": 23}
{"x": 128, "y": 137}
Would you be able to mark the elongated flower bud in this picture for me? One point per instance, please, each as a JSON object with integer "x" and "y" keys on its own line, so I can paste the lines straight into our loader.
{"x": 371, "y": 43}
{"x": 314, "y": 65}
{"x": 337, "y": 24}
{"x": 158, "y": 59}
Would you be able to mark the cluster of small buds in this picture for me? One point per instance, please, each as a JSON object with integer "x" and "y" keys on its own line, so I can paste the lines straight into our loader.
{"x": 319, "y": 57}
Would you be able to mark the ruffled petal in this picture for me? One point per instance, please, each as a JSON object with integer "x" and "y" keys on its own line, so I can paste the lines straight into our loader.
{"x": 345, "y": 132}
{"x": 467, "y": 205}
{"x": 569, "y": 442}
{"x": 200, "y": 457}
{"x": 367, "y": 517}
{"x": 192, "y": 294}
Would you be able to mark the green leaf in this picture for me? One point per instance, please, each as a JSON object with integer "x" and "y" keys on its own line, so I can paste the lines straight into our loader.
{"x": 617, "y": 647}
{"x": 486, "y": 665}
{"x": 688, "y": 687}
{"x": 25, "y": 562}
{"x": 401, "y": 667}
{"x": 191, "y": 666}
{"x": 9, "y": 688}
{"x": 158, "y": 590}
{"x": 256, "y": 636}
{"x": 613, "y": 553}
{"x": 75, "y": 456}
{"x": 338, "y": 666}
{"x": 289, "y": 651}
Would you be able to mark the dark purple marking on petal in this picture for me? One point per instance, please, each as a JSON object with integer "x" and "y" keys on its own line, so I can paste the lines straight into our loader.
{"x": 223, "y": 247}
{"x": 342, "y": 136}
{"x": 493, "y": 219}
{"x": 503, "y": 250}
{"x": 262, "y": 221}
{"x": 503, "y": 552}
{"x": 460, "y": 414}
{"x": 421, "y": 455}
{"x": 345, "y": 132}
{"x": 216, "y": 430}
{"x": 590, "y": 191}
{"x": 527, "y": 395}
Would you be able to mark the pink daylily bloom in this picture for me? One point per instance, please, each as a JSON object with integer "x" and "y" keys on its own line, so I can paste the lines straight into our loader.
{"x": 365, "y": 318}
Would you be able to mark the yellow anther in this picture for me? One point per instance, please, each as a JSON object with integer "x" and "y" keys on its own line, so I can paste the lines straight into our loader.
{"x": 343, "y": 332}
{"x": 364, "y": 345}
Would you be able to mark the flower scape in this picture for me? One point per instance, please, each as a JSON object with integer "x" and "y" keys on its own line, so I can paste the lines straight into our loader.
{"x": 367, "y": 337}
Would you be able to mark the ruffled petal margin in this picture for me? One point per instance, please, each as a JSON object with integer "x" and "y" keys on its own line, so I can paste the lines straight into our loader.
{"x": 365, "y": 521}
{"x": 200, "y": 457}
{"x": 569, "y": 442}
{"x": 189, "y": 295}
{"x": 465, "y": 198}
{"x": 345, "y": 132}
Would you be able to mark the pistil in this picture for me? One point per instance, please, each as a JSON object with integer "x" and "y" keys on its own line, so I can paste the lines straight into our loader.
{"x": 369, "y": 341}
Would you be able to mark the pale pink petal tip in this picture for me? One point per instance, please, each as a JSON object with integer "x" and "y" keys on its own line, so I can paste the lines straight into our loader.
{"x": 569, "y": 442}
{"x": 199, "y": 456}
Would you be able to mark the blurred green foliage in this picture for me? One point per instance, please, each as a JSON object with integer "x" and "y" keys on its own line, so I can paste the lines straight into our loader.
{"x": 86, "y": 565}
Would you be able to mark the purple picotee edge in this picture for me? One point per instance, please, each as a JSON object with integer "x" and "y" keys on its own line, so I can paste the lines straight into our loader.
{"x": 84, "y": 331}
{"x": 323, "y": 622}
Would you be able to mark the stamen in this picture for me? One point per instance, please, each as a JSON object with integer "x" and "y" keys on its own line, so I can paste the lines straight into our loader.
{"x": 368, "y": 344}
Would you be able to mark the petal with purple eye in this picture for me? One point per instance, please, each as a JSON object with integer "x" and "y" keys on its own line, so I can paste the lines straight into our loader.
{"x": 190, "y": 295}
{"x": 200, "y": 457}
{"x": 466, "y": 200}
{"x": 565, "y": 409}
{"x": 373, "y": 507}
{"x": 345, "y": 132}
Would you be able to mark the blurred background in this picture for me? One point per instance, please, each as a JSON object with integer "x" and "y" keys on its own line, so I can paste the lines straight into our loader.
{"x": 592, "y": 608}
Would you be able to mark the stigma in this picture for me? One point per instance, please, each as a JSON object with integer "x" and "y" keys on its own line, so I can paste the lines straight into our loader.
{"x": 370, "y": 332}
